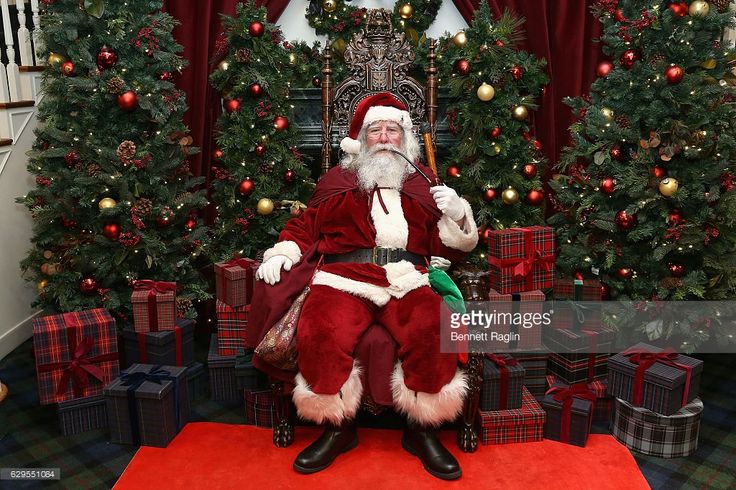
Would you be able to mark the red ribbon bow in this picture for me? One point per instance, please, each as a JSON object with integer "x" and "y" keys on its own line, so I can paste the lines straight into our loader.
{"x": 523, "y": 266}
{"x": 502, "y": 363}
{"x": 153, "y": 288}
{"x": 565, "y": 395}
{"x": 646, "y": 359}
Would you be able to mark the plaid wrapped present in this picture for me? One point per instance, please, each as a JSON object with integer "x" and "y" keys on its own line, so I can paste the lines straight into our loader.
{"x": 521, "y": 259}
{"x": 577, "y": 305}
{"x": 503, "y": 381}
{"x": 518, "y": 305}
{"x": 197, "y": 380}
{"x": 167, "y": 347}
{"x": 76, "y": 354}
{"x": 147, "y": 405}
{"x": 223, "y": 385}
{"x": 525, "y": 424}
{"x": 247, "y": 377}
{"x": 659, "y": 380}
{"x": 235, "y": 280}
{"x": 535, "y": 367}
{"x": 658, "y": 435}
{"x": 603, "y": 408}
{"x": 577, "y": 289}
{"x": 82, "y": 415}
{"x": 154, "y": 305}
{"x": 259, "y": 408}
{"x": 578, "y": 356}
{"x": 569, "y": 413}
{"x": 232, "y": 322}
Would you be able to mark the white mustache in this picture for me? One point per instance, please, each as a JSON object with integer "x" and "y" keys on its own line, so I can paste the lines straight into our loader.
{"x": 382, "y": 147}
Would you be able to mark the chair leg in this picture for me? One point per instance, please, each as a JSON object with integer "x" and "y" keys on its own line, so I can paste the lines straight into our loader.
{"x": 467, "y": 435}
{"x": 283, "y": 429}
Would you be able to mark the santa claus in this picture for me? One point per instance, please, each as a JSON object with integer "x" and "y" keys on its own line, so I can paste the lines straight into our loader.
{"x": 365, "y": 240}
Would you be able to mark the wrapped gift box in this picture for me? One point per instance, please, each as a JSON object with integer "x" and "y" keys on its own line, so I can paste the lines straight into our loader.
{"x": 569, "y": 414}
{"x": 577, "y": 304}
{"x": 525, "y": 424}
{"x": 147, "y": 405}
{"x": 223, "y": 385}
{"x": 82, "y": 415}
{"x": 524, "y": 304}
{"x": 649, "y": 377}
{"x": 166, "y": 347}
{"x": 503, "y": 381}
{"x": 89, "y": 336}
{"x": 259, "y": 408}
{"x": 232, "y": 322}
{"x": 577, "y": 290}
{"x": 535, "y": 367}
{"x": 247, "y": 377}
{"x": 154, "y": 305}
{"x": 197, "y": 380}
{"x": 235, "y": 280}
{"x": 521, "y": 259}
{"x": 647, "y": 432}
{"x": 603, "y": 408}
{"x": 579, "y": 355}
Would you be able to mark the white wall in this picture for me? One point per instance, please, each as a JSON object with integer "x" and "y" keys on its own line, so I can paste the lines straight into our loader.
{"x": 295, "y": 26}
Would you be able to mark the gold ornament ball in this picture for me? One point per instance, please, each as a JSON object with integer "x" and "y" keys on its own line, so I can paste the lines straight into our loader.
{"x": 329, "y": 6}
{"x": 47, "y": 254}
{"x": 55, "y": 59}
{"x": 607, "y": 113}
{"x": 107, "y": 203}
{"x": 406, "y": 11}
{"x": 265, "y": 206}
{"x": 42, "y": 284}
{"x": 496, "y": 149}
{"x": 699, "y": 8}
{"x": 486, "y": 92}
{"x": 223, "y": 65}
{"x": 521, "y": 113}
{"x": 709, "y": 64}
{"x": 510, "y": 196}
{"x": 668, "y": 186}
{"x": 460, "y": 39}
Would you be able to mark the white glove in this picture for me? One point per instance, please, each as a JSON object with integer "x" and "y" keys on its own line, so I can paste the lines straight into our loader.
{"x": 448, "y": 202}
{"x": 270, "y": 270}
{"x": 440, "y": 263}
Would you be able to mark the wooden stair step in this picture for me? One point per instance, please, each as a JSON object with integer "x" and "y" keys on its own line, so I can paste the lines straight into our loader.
{"x": 6, "y": 141}
{"x": 26, "y": 68}
{"x": 20, "y": 103}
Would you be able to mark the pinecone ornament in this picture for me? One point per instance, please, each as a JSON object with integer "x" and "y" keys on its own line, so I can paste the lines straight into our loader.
{"x": 243, "y": 55}
{"x": 671, "y": 283}
{"x": 115, "y": 85}
{"x": 126, "y": 150}
{"x": 93, "y": 169}
{"x": 183, "y": 305}
{"x": 657, "y": 58}
{"x": 142, "y": 206}
{"x": 623, "y": 122}
{"x": 721, "y": 5}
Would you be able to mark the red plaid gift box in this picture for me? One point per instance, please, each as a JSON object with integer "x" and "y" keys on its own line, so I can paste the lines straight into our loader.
{"x": 235, "y": 280}
{"x": 584, "y": 315}
{"x": 521, "y": 259}
{"x": 521, "y": 338}
{"x": 535, "y": 365}
{"x": 76, "y": 354}
{"x": 232, "y": 322}
{"x": 154, "y": 305}
{"x": 603, "y": 408}
{"x": 579, "y": 356}
{"x": 259, "y": 408}
{"x": 525, "y": 424}
{"x": 577, "y": 289}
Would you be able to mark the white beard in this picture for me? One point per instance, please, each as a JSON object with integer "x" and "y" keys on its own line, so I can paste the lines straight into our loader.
{"x": 380, "y": 168}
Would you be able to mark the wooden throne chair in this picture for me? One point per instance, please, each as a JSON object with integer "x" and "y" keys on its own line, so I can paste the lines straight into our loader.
{"x": 378, "y": 59}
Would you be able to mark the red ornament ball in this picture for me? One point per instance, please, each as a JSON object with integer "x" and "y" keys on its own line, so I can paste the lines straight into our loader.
{"x": 453, "y": 171}
{"x": 111, "y": 231}
{"x": 526, "y": 135}
{"x": 674, "y": 74}
{"x": 316, "y": 82}
{"x": 676, "y": 270}
{"x": 659, "y": 171}
{"x": 486, "y": 235}
{"x": 281, "y": 123}
{"x": 619, "y": 16}
{"x": 246, "y": 187}
{"x": 680, "y": 9}
{"x": 537, "y": 145}
{"x": 529, "y": 170}
{"x": 604, "y": 68}
{"x": 517, "y": 72}
{"x": 106, "y": 58}
{"x": 256, "y": 90}
{"x": 674, "y": 218}
{"x": 489, "y": 194}
{"x": 218, "y": 154}
{"x": 624, "y": 273}
{"x": 88, "y": 285}
{"x": 190, "y": 224}
{"x": 616, "y": 153}
{"x": 462, "y": 66}
{"x": 608, "y": 185}
{"x": 165, "y": 218}
{"x": 495, "y": 132}
{"x": 629, "y": 57}
{"x": 289, "y": 176}
{"x": 625, "y": 221}
{"x": 166, "y": 76}
{"x": 260, "y": 149}
{"x": 232, "y": 105}
{"x": 71, "y": 158}
{"x": 499, "y": 43}
{"x": 535, "y": 197}
{"x": 67, "y": 68}
{"x": 128, "y": 101}
{"x": 256, "y": 29}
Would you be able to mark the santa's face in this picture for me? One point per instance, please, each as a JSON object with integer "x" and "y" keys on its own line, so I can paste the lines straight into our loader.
{"x": 384, "y": 133}
{"x": 377, "y": 165}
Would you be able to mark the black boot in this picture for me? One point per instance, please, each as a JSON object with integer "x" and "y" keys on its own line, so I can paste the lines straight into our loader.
{"x": 334, "y": 441}
{"x": 422, "y": 442}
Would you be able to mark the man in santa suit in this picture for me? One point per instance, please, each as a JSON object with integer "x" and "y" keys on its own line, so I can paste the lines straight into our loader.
{"x": 376, "y": 223}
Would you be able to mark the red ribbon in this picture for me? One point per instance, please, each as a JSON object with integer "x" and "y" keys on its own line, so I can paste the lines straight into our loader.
{"x": 502, "y": 364}
{"x": 565, "y": 395}
{"x": 592, "y": 354}
{"x": 646, "y": 359}
{"x": 523, "y": 266}
{"x": 80, "y": 366}
{"x": 153, "y": 288}
{"x": 246, "y": 264}
{"x": 142, "y": 353}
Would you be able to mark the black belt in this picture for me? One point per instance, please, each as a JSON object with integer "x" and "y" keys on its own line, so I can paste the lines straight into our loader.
{"x": 376, "y": 255}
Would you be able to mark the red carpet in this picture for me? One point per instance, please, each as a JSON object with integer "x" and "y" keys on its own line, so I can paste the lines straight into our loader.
{"x": 212, "y": 456}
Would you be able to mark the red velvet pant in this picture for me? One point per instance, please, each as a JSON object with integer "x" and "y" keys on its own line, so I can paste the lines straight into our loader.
{"x": 332, "y": 322}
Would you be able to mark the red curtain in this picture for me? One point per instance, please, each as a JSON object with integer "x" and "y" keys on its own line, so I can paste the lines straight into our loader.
{"x": 561, "y": 31}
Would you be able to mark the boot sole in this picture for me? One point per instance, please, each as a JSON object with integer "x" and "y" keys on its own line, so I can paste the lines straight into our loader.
{"x": 443, "y": 476}
{"x": 306, "y": 471}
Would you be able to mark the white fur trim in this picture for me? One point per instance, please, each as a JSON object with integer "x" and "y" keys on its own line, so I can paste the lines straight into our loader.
{"x": 453, "y": 236}
{"x": 392, "y": 230}
{"x": 404, "y": 277}
{"x": 287, "y": 248}
{"x": 349, "y": 145}
{"x": 321, "y": 408}
{"x": 378, "y": 295}
{"x": 429, "y": 409}
{"x": 388, "y": 113}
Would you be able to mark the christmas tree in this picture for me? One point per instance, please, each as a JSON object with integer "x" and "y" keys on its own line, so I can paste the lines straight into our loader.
{"x": 259, "y": 178}
{"x": 646, "y": 202}
{"x": 114, "y": 200}
{"x": 496, "y": 163}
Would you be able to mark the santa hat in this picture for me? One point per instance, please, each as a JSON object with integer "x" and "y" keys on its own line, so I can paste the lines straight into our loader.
{"x": 378, "y": 107}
